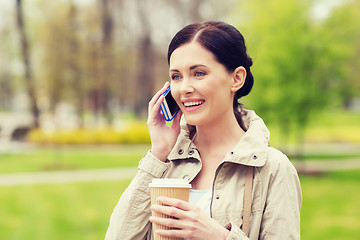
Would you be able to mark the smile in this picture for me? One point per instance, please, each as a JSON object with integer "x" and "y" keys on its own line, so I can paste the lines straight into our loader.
{"x": 193, "y": 104}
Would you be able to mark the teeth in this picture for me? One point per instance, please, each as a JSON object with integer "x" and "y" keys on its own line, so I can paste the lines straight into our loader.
{"x": 191, "y": 104}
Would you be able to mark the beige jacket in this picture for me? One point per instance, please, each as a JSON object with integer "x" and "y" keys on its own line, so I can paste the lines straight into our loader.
{"x": 276, "y": 189}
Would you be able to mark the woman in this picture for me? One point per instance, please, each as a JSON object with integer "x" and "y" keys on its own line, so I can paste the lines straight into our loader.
{"x": 212, "y": 148}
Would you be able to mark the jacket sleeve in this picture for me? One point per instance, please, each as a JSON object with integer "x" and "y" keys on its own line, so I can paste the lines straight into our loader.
{"x": 130, "y": 218}
{"x": 281, "y": 217}
{"x": 235, "y": 233}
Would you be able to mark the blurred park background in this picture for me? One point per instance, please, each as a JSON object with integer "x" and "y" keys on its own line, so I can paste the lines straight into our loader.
{"x": 76, "y": 77}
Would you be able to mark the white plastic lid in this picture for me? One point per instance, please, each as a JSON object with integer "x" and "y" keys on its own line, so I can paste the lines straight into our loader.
{"x": 170, "y": 182}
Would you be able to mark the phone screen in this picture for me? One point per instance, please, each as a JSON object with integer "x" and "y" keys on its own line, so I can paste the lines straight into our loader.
{"x": 173, "y": 107}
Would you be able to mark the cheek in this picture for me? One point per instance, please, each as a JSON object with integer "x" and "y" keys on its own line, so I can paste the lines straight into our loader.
{"x": 220, "y": 81}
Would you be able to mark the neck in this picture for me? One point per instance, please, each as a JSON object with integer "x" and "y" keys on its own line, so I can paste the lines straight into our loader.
{"x": 221, "y": 135}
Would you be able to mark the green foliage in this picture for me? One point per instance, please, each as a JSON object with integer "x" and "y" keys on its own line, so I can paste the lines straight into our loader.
{"x": 342, "y": 30}
{"x": 133, "y": 133}
{"x": 334, "y": 126}
{"x": 331, "y": 126}
{"x": 325, "y": 127}
{"x": 336, "y": 134}
{"x": 301, "y": 64}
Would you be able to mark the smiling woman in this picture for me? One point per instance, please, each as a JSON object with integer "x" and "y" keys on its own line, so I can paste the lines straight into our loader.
{"x": 249, "y": 190}
{"x": 224, "y": 46}
{"x": 204, "y": 83}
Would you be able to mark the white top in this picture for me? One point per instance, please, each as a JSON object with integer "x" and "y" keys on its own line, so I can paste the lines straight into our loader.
{"x": 202, "y": 199}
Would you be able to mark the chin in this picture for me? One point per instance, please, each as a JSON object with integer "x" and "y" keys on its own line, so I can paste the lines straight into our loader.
{"x": 194, "y": 120}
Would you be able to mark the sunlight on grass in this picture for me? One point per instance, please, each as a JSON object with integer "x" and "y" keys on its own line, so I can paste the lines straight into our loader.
{"x": 60, "y": 211}
{"x": 71, "y": 158}
{"x": 329, "y": 208}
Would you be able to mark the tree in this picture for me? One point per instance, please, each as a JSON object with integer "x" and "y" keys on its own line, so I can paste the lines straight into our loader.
{"x": 107, "y": 58}
{"x": 147, "y": 52}
{"x": 6, "y": 57}
{"x": 25, "y": 50}
{"x": 74, "y": 65}
{"x": 97, "y": 55}
{"x": 145, "y": 79}
{"x": 341, "y": 29}
{"x": 293, "y": 79}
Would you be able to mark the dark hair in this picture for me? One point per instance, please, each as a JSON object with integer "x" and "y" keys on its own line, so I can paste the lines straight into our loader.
{"x": 228, "y": 46}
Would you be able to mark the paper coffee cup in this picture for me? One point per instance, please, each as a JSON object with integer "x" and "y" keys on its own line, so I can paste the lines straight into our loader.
{"x": 168, "y": 187}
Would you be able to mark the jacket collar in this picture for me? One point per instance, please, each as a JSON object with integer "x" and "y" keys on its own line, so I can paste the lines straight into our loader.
{"x": 251, "y": 150}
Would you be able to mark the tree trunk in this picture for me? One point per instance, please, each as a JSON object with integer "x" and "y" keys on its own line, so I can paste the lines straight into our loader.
{"x": 195, "y": 11}
{"x": 76, "y": 79}
{"x": 106, "y": 69}
{"x": 145, "y": 81}
{"x": 29, "y": 82}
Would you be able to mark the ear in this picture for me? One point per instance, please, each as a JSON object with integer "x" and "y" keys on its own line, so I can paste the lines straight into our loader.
{"x": 238, "y": 76}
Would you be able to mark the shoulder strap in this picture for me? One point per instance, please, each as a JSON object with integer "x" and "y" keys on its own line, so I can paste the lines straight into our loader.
{"x": 247, "y": 199}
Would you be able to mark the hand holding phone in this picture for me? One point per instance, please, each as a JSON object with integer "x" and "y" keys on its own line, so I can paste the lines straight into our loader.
{"x": 163, "y": 136}
{"x": 168, "y": 107}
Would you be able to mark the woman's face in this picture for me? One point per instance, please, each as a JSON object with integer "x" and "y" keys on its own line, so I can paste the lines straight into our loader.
{"x": 201, "y": 86}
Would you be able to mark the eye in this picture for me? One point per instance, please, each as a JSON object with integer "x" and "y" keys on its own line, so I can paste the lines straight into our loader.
{"x": 199, "y": 74}
{"x": 175, "y": 77}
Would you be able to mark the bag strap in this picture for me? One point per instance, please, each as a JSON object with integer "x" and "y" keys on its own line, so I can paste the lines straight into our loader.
{"x": 247, "y": 199}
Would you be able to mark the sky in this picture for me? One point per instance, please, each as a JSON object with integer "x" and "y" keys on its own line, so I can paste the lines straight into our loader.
{"x": 321, "y": 10}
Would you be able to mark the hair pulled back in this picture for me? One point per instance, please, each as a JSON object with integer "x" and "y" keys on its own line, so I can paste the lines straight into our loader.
{"x": 227, "y": 44}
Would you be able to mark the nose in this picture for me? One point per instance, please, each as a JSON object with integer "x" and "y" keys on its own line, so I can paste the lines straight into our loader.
{"x": 186, "y": 87}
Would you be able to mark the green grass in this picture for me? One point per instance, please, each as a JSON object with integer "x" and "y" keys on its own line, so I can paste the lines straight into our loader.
{"x": 58, "y": 212}
{"x": 331, "y": 156}
{"x": 67, "y": 157}
{"x": 82, "y": 157}
{"x": 330, "y": 207}
{"x": 82, "y": 210}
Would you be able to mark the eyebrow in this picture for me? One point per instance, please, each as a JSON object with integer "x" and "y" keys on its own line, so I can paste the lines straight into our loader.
{"x": 196, "y": 66}
{"x": 191, "y": 67}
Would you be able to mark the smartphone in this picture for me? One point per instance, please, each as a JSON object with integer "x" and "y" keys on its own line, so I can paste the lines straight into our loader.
{"x": 168, "y": 107}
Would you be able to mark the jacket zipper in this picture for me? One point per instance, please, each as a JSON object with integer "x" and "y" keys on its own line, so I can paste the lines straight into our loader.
{"x": 213, "y": 186}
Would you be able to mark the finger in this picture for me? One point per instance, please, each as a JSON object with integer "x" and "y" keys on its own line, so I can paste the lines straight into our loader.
{"x": 158, "y": 94}
{"x": 174, "y": 202}
{"x": 177, "y": 227}
{"x": 154, "y": 111}
{"x": 169, "y": 222}
{"x": 167, "y": 210}
{"x": 154, "y": 104}
{"x": 173, "y": 207}
{"x": 176, "y": 233}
